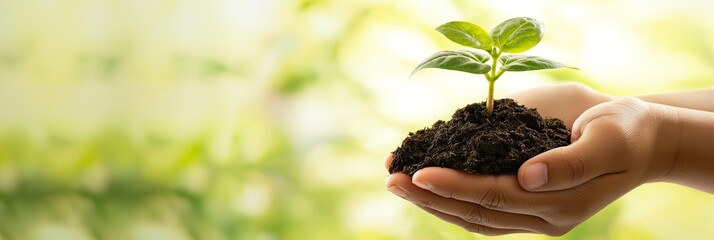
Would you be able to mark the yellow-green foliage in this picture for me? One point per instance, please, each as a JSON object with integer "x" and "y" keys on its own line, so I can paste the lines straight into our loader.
{"x": 269, "y": 119}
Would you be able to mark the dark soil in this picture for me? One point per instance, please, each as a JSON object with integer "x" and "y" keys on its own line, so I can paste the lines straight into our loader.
{"x": 474, "y": 142}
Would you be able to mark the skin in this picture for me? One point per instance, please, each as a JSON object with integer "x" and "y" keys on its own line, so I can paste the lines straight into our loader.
{"x": 618, "y": 145}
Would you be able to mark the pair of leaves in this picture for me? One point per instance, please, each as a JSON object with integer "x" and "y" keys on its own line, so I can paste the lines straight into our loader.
{"x": 514, "y": 35}
{"x": 511, "y": 36}
{"x": 475, "y": 62}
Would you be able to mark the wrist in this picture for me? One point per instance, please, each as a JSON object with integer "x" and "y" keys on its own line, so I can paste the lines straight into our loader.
{"x": 666, "y": 142}
{"x": 689, "y": 135}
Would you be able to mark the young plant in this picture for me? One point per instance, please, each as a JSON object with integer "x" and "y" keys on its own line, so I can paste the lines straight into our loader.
{"x": 514, "y": 35}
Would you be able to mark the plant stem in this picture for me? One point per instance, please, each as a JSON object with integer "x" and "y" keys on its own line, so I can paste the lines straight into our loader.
{"x": 492, "y": 77}
{"x": 489, "y": 101}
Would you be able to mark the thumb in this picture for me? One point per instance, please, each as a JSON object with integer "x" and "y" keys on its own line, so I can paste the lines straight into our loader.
{"x": 556, "y": 169}
{"x": 569, "y": 166}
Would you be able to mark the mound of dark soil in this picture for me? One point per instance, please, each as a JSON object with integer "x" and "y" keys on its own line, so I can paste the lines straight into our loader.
{"x": 474, "y": 142}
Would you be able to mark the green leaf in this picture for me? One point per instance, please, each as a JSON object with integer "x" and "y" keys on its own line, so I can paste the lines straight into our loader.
{"x": 520, "y": 63}
{"x": 461, "y": 60}
{"x": 517, "y": 35}
{"x": 467, "y": 34}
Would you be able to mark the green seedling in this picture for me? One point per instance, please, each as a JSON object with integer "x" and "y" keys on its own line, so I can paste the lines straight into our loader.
{"x": 514, "y": 35}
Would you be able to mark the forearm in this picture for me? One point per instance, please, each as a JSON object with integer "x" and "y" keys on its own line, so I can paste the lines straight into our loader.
{"x": 692, "y": 133}
{"x": 696, "y": 99}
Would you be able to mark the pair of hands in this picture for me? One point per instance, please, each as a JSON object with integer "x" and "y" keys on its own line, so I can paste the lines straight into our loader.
{"x": 612, "y": 152}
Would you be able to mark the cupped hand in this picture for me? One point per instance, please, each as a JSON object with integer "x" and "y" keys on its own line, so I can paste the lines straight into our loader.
{"x": 566, "y": 101}
{"x": 613, "y": 151}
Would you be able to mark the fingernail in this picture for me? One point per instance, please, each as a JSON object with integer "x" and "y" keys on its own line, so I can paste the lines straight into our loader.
{"x": 535, "y": 176}
{"x": 422, "y": 185}
{"x": 396, "y": 190}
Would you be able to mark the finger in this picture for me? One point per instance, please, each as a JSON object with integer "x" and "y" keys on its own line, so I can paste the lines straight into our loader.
{"x": 493, "y": 192}
{"x": 620, "y": 106}
{"x": 393, "y": 187}
{"x": 474, "y": 213}
{"x": 388, "y": 160}
{"x": 563, "y": 209}
{"x": 582, "y": 121}
{"x": 472, "y": 227}
{"x": 498, "y": 223}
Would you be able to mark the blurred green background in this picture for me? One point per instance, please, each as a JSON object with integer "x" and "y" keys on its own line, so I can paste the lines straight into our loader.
{"x": 269, "y": 119}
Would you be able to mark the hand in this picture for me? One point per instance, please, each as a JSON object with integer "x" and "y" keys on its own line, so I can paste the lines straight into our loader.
{"x": 566, "y": 101}
{"x": 613, "y": 151}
